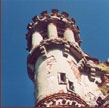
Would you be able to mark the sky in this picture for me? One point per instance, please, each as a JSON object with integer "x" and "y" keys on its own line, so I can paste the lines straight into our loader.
{"x": 92, "y": 17}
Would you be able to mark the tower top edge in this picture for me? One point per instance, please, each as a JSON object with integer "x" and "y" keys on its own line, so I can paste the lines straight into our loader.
{"x": 60, "y": 20}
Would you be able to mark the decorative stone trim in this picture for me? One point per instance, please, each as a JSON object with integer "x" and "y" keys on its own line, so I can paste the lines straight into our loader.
{"x": 67, "y": 47}
{"x": 66, "y": 50}
{"x": 92, "y": 74}
{"x": 81, "y": 64}
{"x": 62, "y": 100}
{"x": 43, "y": 51}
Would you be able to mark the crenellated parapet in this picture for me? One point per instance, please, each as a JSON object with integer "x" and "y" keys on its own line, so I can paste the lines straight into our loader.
{"x": 52, "y": 25}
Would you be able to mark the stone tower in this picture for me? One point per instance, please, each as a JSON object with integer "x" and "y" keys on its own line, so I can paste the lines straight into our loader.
{"x": 63, "y": 75}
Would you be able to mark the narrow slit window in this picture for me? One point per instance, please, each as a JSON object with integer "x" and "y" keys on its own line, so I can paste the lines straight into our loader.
{"x": 70, "y": 86}
{"x": 62, "y": 78}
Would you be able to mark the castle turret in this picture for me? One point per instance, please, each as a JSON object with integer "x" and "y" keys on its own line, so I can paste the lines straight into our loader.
{"x": 63, "y": 75}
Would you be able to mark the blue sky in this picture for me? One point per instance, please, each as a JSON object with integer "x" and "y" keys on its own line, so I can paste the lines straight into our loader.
{"x": 92, "y": 17}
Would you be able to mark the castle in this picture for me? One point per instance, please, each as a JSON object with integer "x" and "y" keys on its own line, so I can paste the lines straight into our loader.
{"x": 63, "y": 75}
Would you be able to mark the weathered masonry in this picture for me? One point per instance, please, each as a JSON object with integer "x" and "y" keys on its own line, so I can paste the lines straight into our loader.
{"x": 63, "y": 75}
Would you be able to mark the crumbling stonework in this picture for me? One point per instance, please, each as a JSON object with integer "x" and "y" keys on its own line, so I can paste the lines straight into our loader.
{"x": 63, "y": 75}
